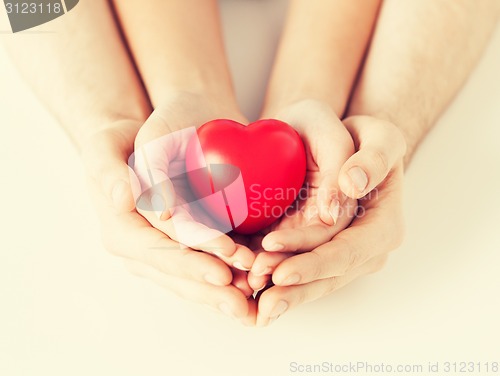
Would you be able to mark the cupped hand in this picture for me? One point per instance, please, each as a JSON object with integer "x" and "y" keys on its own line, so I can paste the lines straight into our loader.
{"x": 147, "y": 251}
{"x": 321, "y": 210}
{"x": 164, "y": 197}
{"x": 374, "y": 175}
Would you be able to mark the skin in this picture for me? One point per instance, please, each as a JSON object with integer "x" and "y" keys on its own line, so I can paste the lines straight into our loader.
{"x": 187, "y": 88}
{"x": 81, "y": 77}
{"x": 390, "y": 112}
{"x": 200, "y": 30}
{"x": 309, "y": 89}
{"x": 412, "y": 36}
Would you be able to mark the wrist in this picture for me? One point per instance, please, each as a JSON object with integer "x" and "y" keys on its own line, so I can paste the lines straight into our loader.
{"x": 185, "y": 109}
{"x": 285, "y": 96}
{"x": 211, "y": 81}
{"x": 83, "y": 130}
{"x": 297, "y": 103}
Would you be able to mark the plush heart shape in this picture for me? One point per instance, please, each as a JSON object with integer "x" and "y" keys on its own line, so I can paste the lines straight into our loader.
{"x": 257, "y": 171}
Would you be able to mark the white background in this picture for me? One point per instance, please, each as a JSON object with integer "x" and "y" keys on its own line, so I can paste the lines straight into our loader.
{"x": 69, "y": 308}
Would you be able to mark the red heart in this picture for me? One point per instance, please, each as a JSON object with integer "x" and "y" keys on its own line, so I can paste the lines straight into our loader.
{"x": 271, "y": 158}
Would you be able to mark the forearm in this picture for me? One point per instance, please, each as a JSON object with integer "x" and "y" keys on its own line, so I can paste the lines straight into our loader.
{"x": 177, "y": 46}
{"x": 320, "y": 52}
{"x": 81, "y": 70}
{"x": 422, "y": 52}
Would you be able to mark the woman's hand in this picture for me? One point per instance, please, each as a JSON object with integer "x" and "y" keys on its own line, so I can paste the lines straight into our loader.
{"x": 374, "y": 175}
{"x": 148, "y": 252}
{"x": 321, "y": 209}
{"x": 165, "y": 199}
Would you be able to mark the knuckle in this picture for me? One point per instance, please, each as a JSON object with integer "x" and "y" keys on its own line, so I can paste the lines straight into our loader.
{"x": 332, "y": 285}
{"x": 398, "y": 239}
{"x": 294, "y": 295}
{"x": 132, "y": 268}
{"x": 155, "y": 256}
{"x": 351, "y": 256}
{"x": 399, "y": 140}
{"x": 301, "y": 296}
{"x": 396, "y": 137}
{"x": 379, "y": 264}
{"x": 109, "y": 242}
{"x": 189, "y": 263}
{"x": 396, "y": 234}
{"x": 149, "y": 258}
{"x": 180, "y": 293}
{"x": 379, "y": 161}
{"x": 317, "y": 266}
{"x": 354, "y": 259}
{"x": 100, "y": 141}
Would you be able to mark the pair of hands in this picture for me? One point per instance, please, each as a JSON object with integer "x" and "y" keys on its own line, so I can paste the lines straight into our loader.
{"x": 309, "y": 253}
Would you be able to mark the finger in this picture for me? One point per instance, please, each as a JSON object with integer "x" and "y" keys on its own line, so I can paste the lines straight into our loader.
{"x": 242, "y": 259}
{"x": 279, "y": 299}
{"x": 330, "y": 145}
{"x": 182, "y": 228}
{"x": 367, "y": 237}
{"x": 158, "y": 157}
{"x": 105, "y": 157}
{"x": 129, "y": 235}
{"x": 263, "y": 267}
{"x": 306, "y": 238}
{"x": 227, "y": 299}
{"x": 380, "y": 146}
{"x": 241, "y": 283}
{"x": 297, "y": 239}
{"x": 153, "y": 248}
{"x": 266, "y": 262}
{"x": 251, "y": 317}
{"x": 257, "y": 283}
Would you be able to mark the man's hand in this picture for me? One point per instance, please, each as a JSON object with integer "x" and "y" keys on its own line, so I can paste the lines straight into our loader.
{"x": 148, "y": 252}
{"x": 361, "y": 248}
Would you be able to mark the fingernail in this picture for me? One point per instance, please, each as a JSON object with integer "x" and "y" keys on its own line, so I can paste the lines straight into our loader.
{"x": 165, "y": 215}
{"x": 261, "y": 287}
{"x": 278, "y": 310}
{"x": 291, "y": 280}
{"x": 359, "y": 178}
{"x": 158, "y": 205}
{"x": 118, "y": 192}
{"x": 262, "y": 271}
{"x": 277, "y": 247}
{"x": 272, "y": 319}
{"x": 212, "y": 279}
{"x": 343, "y": 198}
{"x": 224, "y": 308}
{"x": 335, "y": 210}
{"x": 238, "y": 265}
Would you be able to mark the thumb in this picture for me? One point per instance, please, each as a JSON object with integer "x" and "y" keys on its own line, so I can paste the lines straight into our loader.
{"x": 380, "y": 146}
{"x": 159, "y": 155}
